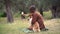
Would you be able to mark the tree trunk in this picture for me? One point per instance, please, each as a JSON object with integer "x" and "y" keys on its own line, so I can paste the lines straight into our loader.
{"x": 55, "y": 11}
{"x": 8, "y": 11}
{"x": 41, "y": 11}
{"x": 58, "y": 12}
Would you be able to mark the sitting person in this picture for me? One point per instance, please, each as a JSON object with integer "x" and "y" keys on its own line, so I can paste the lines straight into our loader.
{"x": 36, "y": 17}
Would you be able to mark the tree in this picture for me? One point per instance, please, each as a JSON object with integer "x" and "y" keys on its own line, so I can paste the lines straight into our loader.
{"x": 8, "y": 11}
{"x": 55, "y": 8}
{"x": 54, "y": 5}
{"x": 41, "y": 11}
{"x": 23, "y": 5}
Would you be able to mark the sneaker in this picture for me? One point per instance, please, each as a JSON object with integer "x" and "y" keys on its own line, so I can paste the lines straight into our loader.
{"x": 45, "y": 29}
{"x": 29, "y": 29}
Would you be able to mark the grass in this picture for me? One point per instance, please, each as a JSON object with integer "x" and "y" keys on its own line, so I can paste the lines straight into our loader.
{"x": 12, "y": 28}
{"x": 47, "y": 15}
{"x": 16, "y": 27}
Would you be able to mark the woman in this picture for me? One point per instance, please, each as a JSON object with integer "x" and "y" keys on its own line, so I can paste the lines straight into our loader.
{"x": 36, "y": 17}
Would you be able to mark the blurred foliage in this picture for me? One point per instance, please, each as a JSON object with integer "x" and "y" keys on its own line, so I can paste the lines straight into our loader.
{"x": 47, "y": 14}
{"x": 23, "y": 5}
{"x": 2, "y": 14}
{"x": 17, "y": 14}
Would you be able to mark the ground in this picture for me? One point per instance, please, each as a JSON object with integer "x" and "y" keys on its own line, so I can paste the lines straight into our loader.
{"x": 16, "y": 27}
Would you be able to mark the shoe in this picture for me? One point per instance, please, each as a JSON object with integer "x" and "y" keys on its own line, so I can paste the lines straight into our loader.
{"x": 45, "y": 29}
{"x": 29, "y": 29}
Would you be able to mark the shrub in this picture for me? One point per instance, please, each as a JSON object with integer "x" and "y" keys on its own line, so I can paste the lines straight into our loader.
{"x": 2, "y": 14}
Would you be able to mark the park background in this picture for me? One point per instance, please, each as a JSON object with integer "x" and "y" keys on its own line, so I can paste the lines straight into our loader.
{"x": 10, "y": 15}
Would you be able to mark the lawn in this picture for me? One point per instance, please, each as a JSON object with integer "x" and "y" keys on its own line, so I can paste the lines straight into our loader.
{"x": 18, "y": 25}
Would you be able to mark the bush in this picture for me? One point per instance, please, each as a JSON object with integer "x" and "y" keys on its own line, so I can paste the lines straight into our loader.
{"x": 17, "y": 14}
{"x": 47, "y": 15}
{"x": 2, "y": 14}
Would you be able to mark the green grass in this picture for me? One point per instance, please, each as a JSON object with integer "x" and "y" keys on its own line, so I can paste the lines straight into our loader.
{"x": 12, "y": 28}
{"x": 16, "y": 27}
{"x": 47, "y": 15}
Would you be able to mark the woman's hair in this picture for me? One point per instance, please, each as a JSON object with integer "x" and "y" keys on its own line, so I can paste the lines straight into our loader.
{"x": 32, "y": 9}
